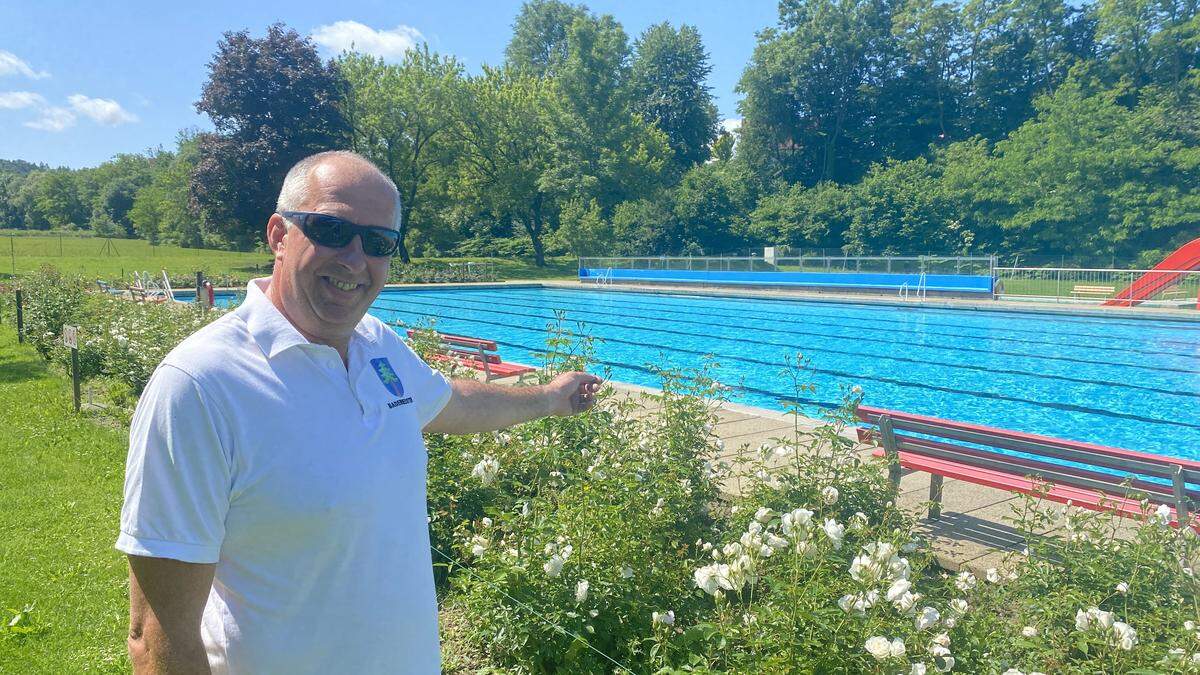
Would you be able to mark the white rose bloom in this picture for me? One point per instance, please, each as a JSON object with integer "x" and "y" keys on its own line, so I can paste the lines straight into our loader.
{"x": 763, "y": 514}
{"x": 553, "y": 566}
{"x": 959, "y": 606}
{"x": 1029, "y": 631}
{"x": 927, "y": 618}
{"x": 906, "y": 601}
{"x": 706, "y": 580}
{"x": 835, "y": 531}
{"x": 1102, "y": 618}
{"x": 898, "y": 588}
{"x": 1083, "y": 620}
{"x": 478, "y": 545}
{"x": 942, "y": 660}
{"x": 919, "y": 668}
{"x": 896, "y": 649}
{"x": 567, "y": 550}
{"x": 775, "y": 541}
{"x": 1125, "y": 634}
{"x": 829, "y": 495}
{"x": 486, "y": 470}
{"x": 992, "y": 575}
{"x": 965, "y": 581}
{"x": 1163, "y": 514}
{"x": 941, "y": 640}
{"x": 626, "y": 572}
{"x": 865, "y": 570}
{"x": 858, "y": 522}
{"x": 1189, "y": 625}
{"x": 664, "y": 618}
{"x": 1122, "y": 588}
{"x": 879, "y": 647}
{"x": 581, "y": 590}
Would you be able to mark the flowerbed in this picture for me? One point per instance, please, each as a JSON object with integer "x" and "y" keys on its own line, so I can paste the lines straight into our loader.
{"x": 120, "y": 342}
{"x": 600, "y": 543}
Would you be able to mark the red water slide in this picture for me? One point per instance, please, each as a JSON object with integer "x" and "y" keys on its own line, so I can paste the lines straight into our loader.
{"x": 1186, "y": 257}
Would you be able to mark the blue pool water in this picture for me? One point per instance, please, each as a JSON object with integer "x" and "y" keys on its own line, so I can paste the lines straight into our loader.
{"x": 1129, "y": 383}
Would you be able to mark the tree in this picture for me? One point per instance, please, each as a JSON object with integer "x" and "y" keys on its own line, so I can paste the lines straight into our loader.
{"x": 403, "y": 118}
{"x": 507, "y": 150}
{"x": 539, "y": 42}
{"x": 1018, "y": 51}
{"x": 582, "y": 231}
{"x": 668, "y": 84}
{"x": 11, "y": 212}
{"x": 161, "y": 212}
{"x": 50, "y": 200}
{"x": 710, "y": 209}
{"x": 272, "y": 102}
{"x": 811, "y": 105}
{"x": 603, "y": 151}
{"x": 816, "y": 217}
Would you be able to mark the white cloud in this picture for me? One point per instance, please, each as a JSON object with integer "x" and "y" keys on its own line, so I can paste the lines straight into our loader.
{"x": 103, "y": 110}
{"x": 11, "y": 64}
{"x": 388, "y": 45}
{"x": 16, "y": 100}
{"x": 53, "y": 119}
{"x": 731, "y": 125}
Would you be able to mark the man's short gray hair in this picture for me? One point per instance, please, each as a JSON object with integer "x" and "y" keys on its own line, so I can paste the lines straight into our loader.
{"x": 296, "y": 190}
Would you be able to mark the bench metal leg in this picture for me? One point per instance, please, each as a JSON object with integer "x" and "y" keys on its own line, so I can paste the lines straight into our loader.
{"x": 935, "y": 496}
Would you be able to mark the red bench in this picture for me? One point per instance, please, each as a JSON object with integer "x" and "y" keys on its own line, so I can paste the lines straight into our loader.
{"x": 478, "y": 354}
{"x": 938, "y": 451}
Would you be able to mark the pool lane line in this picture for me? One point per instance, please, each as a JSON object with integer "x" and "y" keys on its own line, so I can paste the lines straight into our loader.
{"x": 866, "y": 323}
{"x": 862, "y": 378}
{"x": 1064, "y": 316}
{"x": 828, "y": 350}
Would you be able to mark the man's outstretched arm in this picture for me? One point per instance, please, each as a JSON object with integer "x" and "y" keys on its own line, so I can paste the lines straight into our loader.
{"x": 479, "y": 406}
{"x": 166, "y": 601}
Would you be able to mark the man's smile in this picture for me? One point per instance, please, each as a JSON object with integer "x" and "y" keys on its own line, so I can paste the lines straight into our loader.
{"x": 342, "y": 285}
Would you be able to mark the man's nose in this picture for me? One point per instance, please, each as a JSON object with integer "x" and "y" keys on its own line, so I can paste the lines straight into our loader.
{"x": 352, "y": 256}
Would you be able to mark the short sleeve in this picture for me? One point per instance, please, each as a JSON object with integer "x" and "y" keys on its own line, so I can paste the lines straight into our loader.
{"x": 178, "y": 476}
{"x": 431, "y": 390}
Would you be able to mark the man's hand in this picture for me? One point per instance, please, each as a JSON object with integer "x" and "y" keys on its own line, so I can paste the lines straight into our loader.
{"x": 571, "y": 393}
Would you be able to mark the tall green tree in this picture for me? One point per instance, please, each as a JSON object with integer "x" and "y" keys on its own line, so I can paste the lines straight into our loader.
{"x": 603, "y": 151}
{"x": 668, "y": 83}
{"x": 539, "y": 41}
{"x": 273, "y": 101}
{"x": 403, "y": 117}
{"x": 811, "y": 104}
{"x": 507, "y": 150}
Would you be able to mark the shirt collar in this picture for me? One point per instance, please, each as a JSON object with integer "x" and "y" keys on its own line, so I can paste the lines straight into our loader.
{"x": 271, "y": 329}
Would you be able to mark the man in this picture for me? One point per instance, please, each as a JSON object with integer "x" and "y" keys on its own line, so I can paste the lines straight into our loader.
{"x": 275, "y": 513}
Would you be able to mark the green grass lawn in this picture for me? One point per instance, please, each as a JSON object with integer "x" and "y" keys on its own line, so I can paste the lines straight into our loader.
{"x": 114, "y": 259}
{"x": 60, "y": 486}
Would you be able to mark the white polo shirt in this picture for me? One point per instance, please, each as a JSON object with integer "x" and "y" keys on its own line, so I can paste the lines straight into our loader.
{"x": 303, "y": 481}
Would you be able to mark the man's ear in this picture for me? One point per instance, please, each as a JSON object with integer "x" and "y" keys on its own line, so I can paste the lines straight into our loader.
{"x": 276, "y": 231}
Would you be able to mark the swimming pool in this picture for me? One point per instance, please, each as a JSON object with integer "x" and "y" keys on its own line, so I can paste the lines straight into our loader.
{"x": 1130, "y": 383}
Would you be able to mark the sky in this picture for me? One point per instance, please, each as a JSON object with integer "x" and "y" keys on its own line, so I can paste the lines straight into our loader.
{"x": 83, "y": 81}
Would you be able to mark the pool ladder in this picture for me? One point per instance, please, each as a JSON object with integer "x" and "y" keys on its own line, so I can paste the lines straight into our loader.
{"x": 920, "y": 289}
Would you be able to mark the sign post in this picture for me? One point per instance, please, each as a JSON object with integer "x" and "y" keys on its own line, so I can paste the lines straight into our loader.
{"x": 71, "y": 340}
{"x": 20, "y": 319}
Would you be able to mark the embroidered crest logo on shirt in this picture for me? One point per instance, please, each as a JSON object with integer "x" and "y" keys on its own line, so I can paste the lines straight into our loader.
{"x": 387, "y": 376}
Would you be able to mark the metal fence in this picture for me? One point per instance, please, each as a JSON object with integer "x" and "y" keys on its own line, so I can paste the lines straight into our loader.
{"x": 1170, "y": 288}
{"x": 893, "y": 264}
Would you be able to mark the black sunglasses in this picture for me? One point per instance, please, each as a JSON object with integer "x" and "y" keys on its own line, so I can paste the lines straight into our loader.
{"x": 334, "y": 232}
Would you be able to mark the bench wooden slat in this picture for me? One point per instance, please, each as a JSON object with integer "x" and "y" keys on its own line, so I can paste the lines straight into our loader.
{"x": 1044, "y": 471}
{"x": 1191, "y": 467}
{"x": 985, "y": 462}
{"x": 1082, "y": 497}
{"x": 1151, "y": 489}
